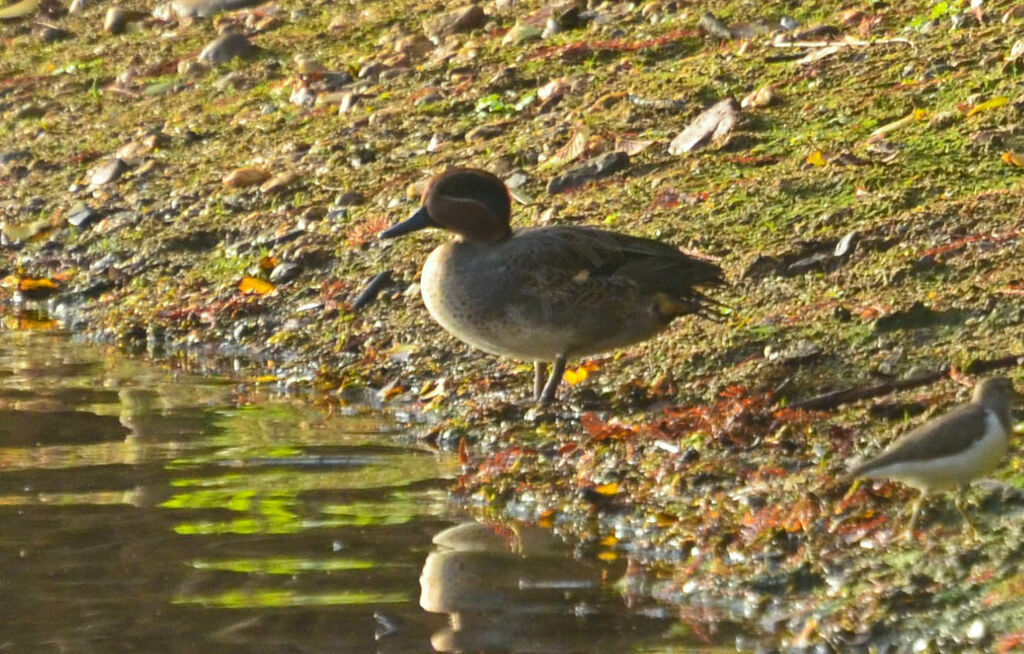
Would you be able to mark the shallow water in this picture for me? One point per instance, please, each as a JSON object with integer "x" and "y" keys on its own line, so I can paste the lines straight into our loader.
{"x": 143, "y": 509}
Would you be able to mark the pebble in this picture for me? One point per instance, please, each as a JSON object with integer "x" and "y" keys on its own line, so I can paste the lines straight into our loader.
{"x": 485, "y": 132}
{"x": 51, "y": 34}
{"x": 279, "y": 182}
{"x": 350, "y": 199}
{"x": 116, "y": 20}
{"x": 107, "y": 171}
{"x": 600, "y": 167}
{"x": 521, "y": 33}
{"x": 225, "y": 48}
{"x": 188, "y": 9}
{"x": 82, "y": 216}
{"x": 284, "y": 272}
{"x": 455, "y": 21}
{"x": 245, "y": 177}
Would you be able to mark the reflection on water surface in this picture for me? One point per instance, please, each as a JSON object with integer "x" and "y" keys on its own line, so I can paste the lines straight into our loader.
{"x": 146, "y": 510}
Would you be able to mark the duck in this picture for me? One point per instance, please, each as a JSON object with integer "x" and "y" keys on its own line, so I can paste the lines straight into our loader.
{"x": 950, "y": 451}
{"x": 546, "y": 294}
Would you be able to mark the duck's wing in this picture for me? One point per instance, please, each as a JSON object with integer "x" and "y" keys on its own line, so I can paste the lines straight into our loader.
{"x": 612, "y": 259}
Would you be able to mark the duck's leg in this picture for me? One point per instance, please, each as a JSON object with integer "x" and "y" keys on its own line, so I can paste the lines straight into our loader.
{"x": 557, "y": 370}
{"x": 540, "y": 375}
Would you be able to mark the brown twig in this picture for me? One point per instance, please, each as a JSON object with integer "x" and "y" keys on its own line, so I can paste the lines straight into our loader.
{"x": 834, "y": 399}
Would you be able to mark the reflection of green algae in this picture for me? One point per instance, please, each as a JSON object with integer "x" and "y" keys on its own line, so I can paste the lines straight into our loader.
{"x": 270, "y": 598}
{"x": 286, "y": 566}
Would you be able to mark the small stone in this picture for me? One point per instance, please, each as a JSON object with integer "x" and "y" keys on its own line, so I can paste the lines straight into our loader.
{"x": 714, "y": 27}
{"x": 762, "y": 97}
{"x": 284, "y": 272}
{"x": 51, "y": 34}
{"x": 306, "y": 65}
{"x": 788, "y": 23}
{"x": 189, "y": 68}
{"x": 279, "y": 182}
{"x": 82, "y": 216}
{"x": 1014, "y": 12}
{"x": 521, "y": 33}
{"x": 189, "y": 9}
{"x": 108, "y": 171}
{"x": 350, "y": 199}
{"x": 484, "y": 132}
{"x": 245, "y": 177}
{"x": 225, "y": 48}
{"x": 115, "y": 21}
{"x": 977, "y": 631}
{"x": 847, "y": 244}
{"x": 598, "y": 168}
{"x": 458, "y": 20}
{"x": 551, "y": 27}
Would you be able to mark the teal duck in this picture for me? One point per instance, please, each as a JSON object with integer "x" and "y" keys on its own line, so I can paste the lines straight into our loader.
{"x": 546, "y": 294}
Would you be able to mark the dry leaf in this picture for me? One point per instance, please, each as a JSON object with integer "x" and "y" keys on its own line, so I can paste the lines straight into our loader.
{"x": 1013, "y": 158}
{"x": 572, "y": 150}
{"x": 994, "y": 103}
{"x": 632, "y": 147}
{"x": 574, "y": 377}
{"x": 816, "y": 159}
{"x": 911, "y": 118}
{"x": 252, "y": 285}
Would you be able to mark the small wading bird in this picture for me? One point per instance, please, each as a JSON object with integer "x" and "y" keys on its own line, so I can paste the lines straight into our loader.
{"x": 546, "y": 294}
{"x": 951, "y": 450}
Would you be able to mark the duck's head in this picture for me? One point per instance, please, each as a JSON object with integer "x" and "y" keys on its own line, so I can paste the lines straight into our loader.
{"x": 472, "y": 203}
{"x": 996, "y": 393}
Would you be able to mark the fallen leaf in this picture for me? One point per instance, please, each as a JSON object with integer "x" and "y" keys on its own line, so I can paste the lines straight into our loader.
{"x": 817, "y": 158}
{"x": 253, "y": 285}
{"x": 994, "y": 103}
{"x": 632, "y": 147}
{"x": 571, "y": 151}
{"x": 1013, "y": 158}
{"x": 911, "y": 118}
{"x": 713, "y": 124}
{"x": 574, "y": 377}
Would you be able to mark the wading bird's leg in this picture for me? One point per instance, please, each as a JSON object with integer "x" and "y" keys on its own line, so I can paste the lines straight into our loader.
{"x": 958, "y": 502}
{"x": 540, "y": 375}
{"x": 913, "y": 515}
{"x": 557, "y": 370}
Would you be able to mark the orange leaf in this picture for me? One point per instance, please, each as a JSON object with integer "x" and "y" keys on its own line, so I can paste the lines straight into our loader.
{"x": 1013, "y": 158}
{"x": 607, "y": 489}
{"x": 463, "y": 451}
{"x": 268, "y": 263}
{"x": 252, "y": 285}
{"x": 574, "y": 377}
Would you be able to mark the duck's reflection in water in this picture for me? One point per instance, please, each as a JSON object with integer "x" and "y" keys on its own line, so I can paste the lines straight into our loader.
{"x": 515, "y": 591}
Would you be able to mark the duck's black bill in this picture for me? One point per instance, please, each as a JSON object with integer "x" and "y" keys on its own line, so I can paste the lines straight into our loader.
{"x": 419, "y": 220}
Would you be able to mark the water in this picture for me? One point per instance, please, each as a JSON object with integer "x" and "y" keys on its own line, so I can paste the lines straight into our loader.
{"x": 146, "y": 510}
